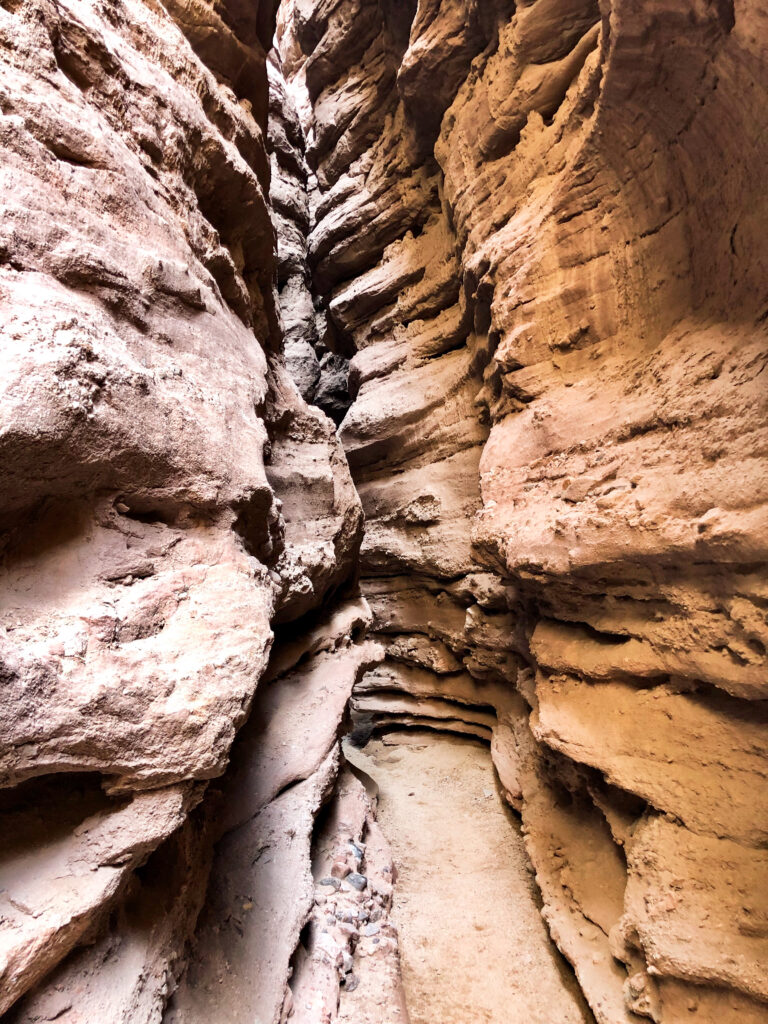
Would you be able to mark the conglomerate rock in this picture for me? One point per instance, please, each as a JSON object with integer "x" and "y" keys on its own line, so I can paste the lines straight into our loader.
{"x": 540, "y": 230}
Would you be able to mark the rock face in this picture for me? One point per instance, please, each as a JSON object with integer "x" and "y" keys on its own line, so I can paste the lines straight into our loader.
{"x": 518, "y": 252}
{"x": 168, "y": 498}
{"x": 540, "y": 229}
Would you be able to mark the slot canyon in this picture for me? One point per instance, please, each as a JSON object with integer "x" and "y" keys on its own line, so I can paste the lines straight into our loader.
{"x": 384, "y": 511}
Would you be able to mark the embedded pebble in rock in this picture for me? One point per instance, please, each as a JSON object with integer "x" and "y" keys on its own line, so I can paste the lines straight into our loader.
{"x": 357, "y": 881}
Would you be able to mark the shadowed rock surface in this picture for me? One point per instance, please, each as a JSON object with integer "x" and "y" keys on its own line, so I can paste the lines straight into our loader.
{"x": 167, "y": 494}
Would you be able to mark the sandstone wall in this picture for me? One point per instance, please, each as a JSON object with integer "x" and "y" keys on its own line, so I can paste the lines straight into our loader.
{"x": 520, "y": 251}
{"x": 168, "y": 498}
{"x": 541, "y": 231}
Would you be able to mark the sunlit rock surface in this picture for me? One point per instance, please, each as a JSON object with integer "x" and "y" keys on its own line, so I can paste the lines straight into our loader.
{"x": 542, "y": 230}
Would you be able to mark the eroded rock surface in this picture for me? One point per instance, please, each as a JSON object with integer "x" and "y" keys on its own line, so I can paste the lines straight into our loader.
{"x": 168, "y": 497}
{"x": 517, "y": 252}
{"x": 540, "y": 230}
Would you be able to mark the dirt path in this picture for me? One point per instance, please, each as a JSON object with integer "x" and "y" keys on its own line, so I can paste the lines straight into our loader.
{"x": 474, "y": 948}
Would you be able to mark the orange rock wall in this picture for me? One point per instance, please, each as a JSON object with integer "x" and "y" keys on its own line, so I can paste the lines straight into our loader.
{"x": 539, "y": 230}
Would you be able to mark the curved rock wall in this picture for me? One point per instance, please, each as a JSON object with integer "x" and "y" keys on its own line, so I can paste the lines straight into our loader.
{"x": 167, "y": 499}
{"x": 518, "y": 251}
{"x": 540, "y": 230}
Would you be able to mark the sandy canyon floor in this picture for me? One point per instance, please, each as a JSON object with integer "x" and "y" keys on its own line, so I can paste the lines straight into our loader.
{"x": 473, "y": 945}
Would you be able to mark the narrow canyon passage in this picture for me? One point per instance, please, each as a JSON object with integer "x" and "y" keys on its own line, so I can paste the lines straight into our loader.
{"x": 473, "y": 945}
{"x": 372, "y": 367}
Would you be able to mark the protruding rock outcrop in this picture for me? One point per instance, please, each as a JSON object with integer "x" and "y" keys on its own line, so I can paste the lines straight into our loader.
{"x": 168, "y": 497}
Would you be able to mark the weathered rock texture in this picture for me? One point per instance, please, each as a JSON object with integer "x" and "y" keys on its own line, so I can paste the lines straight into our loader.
{"x": 519, "y": 252}
{"x": 541, "y": 230}
{"x": 168, "y": 497}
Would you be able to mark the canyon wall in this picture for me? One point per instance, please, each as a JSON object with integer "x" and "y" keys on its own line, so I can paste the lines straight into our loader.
{"x": 169, "y": 504}
{"x": 518, "y": 253}
{"x": 538, "y": 231}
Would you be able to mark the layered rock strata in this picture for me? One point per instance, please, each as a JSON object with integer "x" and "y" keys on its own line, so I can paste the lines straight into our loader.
{"x": 540, "y": 228}
{"x": 168, "y": 501}
{"x": 520, "y": 251}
